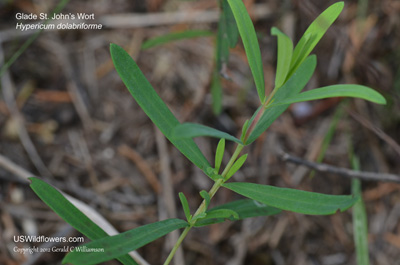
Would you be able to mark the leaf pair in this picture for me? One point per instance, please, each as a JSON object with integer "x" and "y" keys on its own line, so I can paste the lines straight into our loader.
{"x": 233, "y": 211}
{"x": 288, "y": 60}
{"x": 291, "y": 88}
{"x": 294, "y": 70}
{"x": 192, "y": 219}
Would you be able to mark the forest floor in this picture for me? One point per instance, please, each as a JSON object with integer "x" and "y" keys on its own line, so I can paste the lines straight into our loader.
{"x": 66, "y": 116}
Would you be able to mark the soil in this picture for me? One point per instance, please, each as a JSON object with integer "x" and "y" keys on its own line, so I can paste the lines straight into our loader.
{"x": 66, "y": 116}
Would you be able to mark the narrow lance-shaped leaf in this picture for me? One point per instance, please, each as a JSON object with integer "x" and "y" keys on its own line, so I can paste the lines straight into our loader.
{"x": 222, "y": 45}
{"x": 293, "y": 200}
{"x": 219, "y": 154}
{"x": 355, "y": 91}
{"x": 293, "y": 86}
{"x": 285, "y": 50}
{"x": 244, "y": 208}
{"x": 175, "y": 36}
{"x": 250, "y": 42}
{"x": 114, "y": 246}
{"x": 204, "y": 194}
{"x": 221, "y": 58}
{"x": 190, "y": 130}
{"x": 244, "y": 130}
{"x": 185, "y": 206}
{"x": 219, "y": 214}
{"x": 360, "y": 223}
{"x": 153, "y": 106}
{"x": 199, "y": 216}
{"x": 231, "y": 27}
{"x": 314, "y": 33}
{"x": 236, "y": 166}
{"x": 67, "y": 211}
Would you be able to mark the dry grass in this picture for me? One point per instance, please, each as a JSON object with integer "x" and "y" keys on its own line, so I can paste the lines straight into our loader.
{"x": 65, "y": 115}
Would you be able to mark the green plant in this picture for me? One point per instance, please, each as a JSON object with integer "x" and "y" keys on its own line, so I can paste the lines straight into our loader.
{"x": 360, "y": 223}
{"x": 294, "y": 69}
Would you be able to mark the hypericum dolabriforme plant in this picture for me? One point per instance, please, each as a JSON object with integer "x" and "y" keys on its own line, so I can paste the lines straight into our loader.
{"x": 294, "y": 69}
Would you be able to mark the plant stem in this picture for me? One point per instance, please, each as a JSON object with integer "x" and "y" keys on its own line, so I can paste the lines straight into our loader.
{"x": 177, "y": 244}
{"x": 264, "y": 106}
{"x": 202, "y": 208}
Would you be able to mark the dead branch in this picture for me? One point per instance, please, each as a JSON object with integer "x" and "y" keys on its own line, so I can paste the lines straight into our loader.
{"x": 369, "y": 176}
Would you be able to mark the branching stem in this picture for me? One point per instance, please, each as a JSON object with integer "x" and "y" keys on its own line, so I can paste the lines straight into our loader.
{"x": 202, "y": 208}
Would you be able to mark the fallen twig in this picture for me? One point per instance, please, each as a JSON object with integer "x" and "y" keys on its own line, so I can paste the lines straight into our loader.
{"x": 370, "y": 176}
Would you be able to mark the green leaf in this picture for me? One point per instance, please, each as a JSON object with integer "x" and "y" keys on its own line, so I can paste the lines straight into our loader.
{"x": 222, "y": 45}
{"x": 185, "y": 206}
{"x": 224, "y": 214}
{"x": 175, "y": 36}
{"x": 213, "y": 174}
{"x": 244, "y": 208}
{"x": 236, "y": 166}
{"x": 355, "y": 91}
{"x": 204, "y": 194}
{"x": 190, "y": 130}
{"x": 360, "y": 223}
{"x": 216, "y": 93}
{"x": 244, "y": 130}
{"x": 292, "y": 87}
{"x": 199, "y": 216}
{"x": 250, "y": 42}
{"x": 67, "y": 211}
{"x": 153, "y": 106}
{"x": 285, "y": 50}
{"x": 231, "y": 28}
{"x": 293, "y": 200}
{"x": 115, "y": 246}
{"x": 219, "y": 154}
{"x": 314, "y": 33}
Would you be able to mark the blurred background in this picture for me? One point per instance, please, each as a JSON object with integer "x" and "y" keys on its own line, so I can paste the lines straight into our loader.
{"x": 66, "y": 116}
